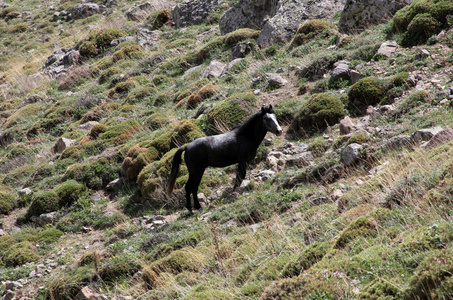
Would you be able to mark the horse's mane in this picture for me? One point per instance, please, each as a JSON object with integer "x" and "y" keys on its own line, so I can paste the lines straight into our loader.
{"x": 243, "y": 127}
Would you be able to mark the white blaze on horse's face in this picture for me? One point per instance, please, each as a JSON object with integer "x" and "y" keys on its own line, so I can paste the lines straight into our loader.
{"x": 270, "y": 121}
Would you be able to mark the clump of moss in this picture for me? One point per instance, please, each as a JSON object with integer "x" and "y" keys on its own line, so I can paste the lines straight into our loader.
{"x": 95, "y": 175}
{"x": 108, "y": 73}
{"x": 311, "y": 255}
{"x": 367, "y": 91}
{"x": 122, "y": 88}
{"x": 49, "y": 235}
{"x": 186, "y": 259}
{"x": 320, "y": 111}
{"x": 20, "y": 253}
{"x": 380, "y": 288}
{"x": 69, "y": 191}
{"x": 117, "y": 267}
{"x": 99, "y": 41}
{"x": 240, "y": 35}
{"x": 202, "y": 94}
{"x": 226, "y": 114}
{"x": 120, "y": 132}
{"x": 433, "y": 277}
{"x": 156, "y": 120}
{"x": 311, "y": 29}
{"x": 360, "y": 227}
{"x": 127, "y": 52}
{"x": 43, "y": 202}
{"x": 8, "y": 201}
{"x": 421, "y": 19}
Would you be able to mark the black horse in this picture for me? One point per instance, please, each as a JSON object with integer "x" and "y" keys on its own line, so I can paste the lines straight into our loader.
{"x": 237, "y": 146}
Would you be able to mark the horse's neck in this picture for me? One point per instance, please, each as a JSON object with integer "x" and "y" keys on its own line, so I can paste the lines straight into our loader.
{"x": 255, "y": 131}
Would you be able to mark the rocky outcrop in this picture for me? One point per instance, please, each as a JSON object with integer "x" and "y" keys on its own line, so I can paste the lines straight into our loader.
{"x": 57, "y": 63}
{"x": 192, "y": 12}
{"x": 361, "y": 14}
{"x": 281, "y": 28}
{"x": 248, "y": 14}
{"x": 85, "y": 10}
{"x": 140, "y": 11}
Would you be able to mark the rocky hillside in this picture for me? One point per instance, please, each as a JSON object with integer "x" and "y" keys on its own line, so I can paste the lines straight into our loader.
{"x": 353, "y": 201}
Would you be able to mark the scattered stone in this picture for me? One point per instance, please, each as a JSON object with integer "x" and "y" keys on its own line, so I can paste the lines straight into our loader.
{"x": 108, "y": 153}
{"x": 397, "y": 143}
{"x": 336, "y": 194}
{"x": 47, "y": 218}
{"x": 202, "y": 198}
{"x": 351, "y": 154}
{"x": 423, "y": 53}
{"x": 440, "y": 138}
{"x": 241, "y": 49}
{"x": 424, "y": 135}
{"x": 87, "y": 293}
{"x": 254, "y": 227}
{"x": 12, "y": 285}
{"x": 355, "y": 76}
{"x": 229, "y": 66}
{"x": 318, "y": 200}
{"x": 275, "y": 80}
{"x": 341, "y": 72}
{"x": 215, "y": 69}
{"x": 62, "y": 144}
{"x": 378, "y": 169}
{"x": 87, "y": 126}
{"x": 139, "y": 11}
{"x": 85, "y": 10}
{"x": 112, "y": 184}
{"x": 346, "y": 126}
{"x": 9, "y": 295}
{"x": 59, "y": 61}
{"x": 230, "y": 223}
{"x": 300, "y": 159}
{"x": 147, "y": 38}
{"x": 387, "y": 48}
{"x": 192, "y": 12}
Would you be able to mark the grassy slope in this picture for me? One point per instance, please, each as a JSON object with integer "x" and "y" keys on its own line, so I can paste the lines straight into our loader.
{"x": 364, "y": 245}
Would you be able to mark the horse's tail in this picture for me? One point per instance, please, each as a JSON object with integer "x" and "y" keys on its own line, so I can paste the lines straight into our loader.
{"x": 174, "y": 170}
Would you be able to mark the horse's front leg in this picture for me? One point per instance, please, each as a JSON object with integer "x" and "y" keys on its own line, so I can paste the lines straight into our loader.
{"x": 242, "y": 167}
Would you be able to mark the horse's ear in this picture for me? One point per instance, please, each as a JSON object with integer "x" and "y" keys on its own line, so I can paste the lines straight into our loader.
{"x": 270, "y": 106}
{"x": 263, "y": 109}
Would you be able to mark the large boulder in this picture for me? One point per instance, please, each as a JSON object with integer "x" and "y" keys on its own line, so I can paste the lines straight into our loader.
{"x": 248, "y": 14}
{"x": 140, "y": 11}
{"x": 281, "y": 28}
{"x": 360, "y": 14}
{"x": 192, "y": 12}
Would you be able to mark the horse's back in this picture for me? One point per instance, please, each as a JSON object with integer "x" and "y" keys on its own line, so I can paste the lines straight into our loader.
{"x": 212, "y": 151}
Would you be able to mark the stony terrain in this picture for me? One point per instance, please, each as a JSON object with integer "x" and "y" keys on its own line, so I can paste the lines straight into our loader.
{"x": 352, "y": 202}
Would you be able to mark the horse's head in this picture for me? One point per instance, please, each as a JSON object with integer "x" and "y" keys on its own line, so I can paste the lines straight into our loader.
{"x": 270, "y": 120}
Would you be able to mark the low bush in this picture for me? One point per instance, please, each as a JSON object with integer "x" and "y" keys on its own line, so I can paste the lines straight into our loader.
{"x": 320, "y": 111}
{"x": 95, "y": 175}
{"x": 8, "y": 201}
{"x": 20, "y": 253}
{"x": 311, "y": 29}
{"x": 43, "y": 202}
{"x": 367, "y": 91}
{"x": 311, "y": 255}
{"x": 360, "y": 227}
{"x": 69, "y": 191}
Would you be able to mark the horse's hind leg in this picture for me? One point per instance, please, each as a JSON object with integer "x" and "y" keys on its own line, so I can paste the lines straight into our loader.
{"x": 242, "y": 168}
{"x": 196, "y": 182}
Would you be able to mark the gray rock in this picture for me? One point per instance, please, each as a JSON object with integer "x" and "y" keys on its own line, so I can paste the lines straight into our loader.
{"x": 424, "y": 135}
{"x": 275, "y": 80}
{"x": 60, "y": 60}
{"x": 388, "y": 48}
{"x": 341, "y": 72}
{"x": 248, "y": 14}
{"x": 397, "y": 143}
{"x": 85, "y": 10}
{"x": 282, "y": 27}
{"x": 346, "y": 125}
{"x": 9, "y": 295}
{"x": 359, "y": 15}
{"x": 355, "y": 76}
{"x": 440, "y": 138}
{"x": 300, "y": 159}
{"x": 47, "y": 218}
{"x": 214, "y": 69}
{"x": 87, "y": 126}
{"x": 423, "y": 53}
{"x": 241, "y": 49}
{"x": 192, "y": 12}
{"x": 12, "y": 285}
{"x": 229, "y": 66}
{"x": 147, "y": 38}
{"x": 62, "y": 144}
{"x": 351, "y": 154}
{"x": 138, "y": 12}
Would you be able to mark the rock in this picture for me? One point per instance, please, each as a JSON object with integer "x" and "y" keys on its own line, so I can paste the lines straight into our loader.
{"x": 58, "y": 62}
{"x": 275, "y": 80}
{"x": 318, "y": 200}
{"x": 336, "y": 194}
{"x": 359, "y": 15}
{"x": 351, "y": 154}
{"x": 423, "y": 135}
{"x": 85, "y": 10}
{"x": 112, "y": 184}
{"x": 397, "y": 143}
{"x": 47, "y": 218}
{"x": 25, "y": 192}
{"x": 202, "y": 198}
{"x": 87, "y": 293}
{"x": 440, "y": 138}
{"x": 346, "y": 126}
{"x": 423, "y": 53}
{"x": 147, "y": 38}
{"x": 248, "y": 14}
{"x": 229, "y": 66}
{"x": 281, "y": 27}
{"x": 12, "y": 285}
{"x": 341, "y": 72}
{"x": 241, "y": 49}
{"x": 254, "y": 227}
{"x": 355, "y": 76}
{"x": 378, "y": 169}
{"x": 9, "y": 295}
{"x": 138, "y": 12}
{"x": 300, "y": 159}
{"x": 87, "y": 126}
{"x": 62, "y": 144}
{"x": 192, "y": 12}
{"x": 107, "y": 153}
{"x": 214, "y": 69}
{"x": 388, "y": 48}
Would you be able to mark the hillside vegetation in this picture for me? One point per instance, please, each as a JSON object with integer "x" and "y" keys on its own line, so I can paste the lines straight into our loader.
{"x": 327, "y": 211}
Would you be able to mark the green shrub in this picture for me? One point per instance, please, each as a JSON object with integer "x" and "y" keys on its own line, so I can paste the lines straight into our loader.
{"x": 117, "y": 267}
{"x": 99, "y": 41}
{"x": 320, "y": 111}
{"x": 107, "y": 74}
{"x": 20, "y": 253}
{"x": 88, "y": 48}
{"x": 156, "y": 120}
{"x": 18, "y": 28}
{"x": 367, "y": 91}
{"x": 43, "y": 202}
{"x": 380, "y": 289}
{"x": 422, "y": 19}
{"x": 6, "y": 241}
{"x": 400, "y": 79}
{"x": 128, "y": 52}
{"x": 69, "y": 191}
{"x": 49, "y": 235}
